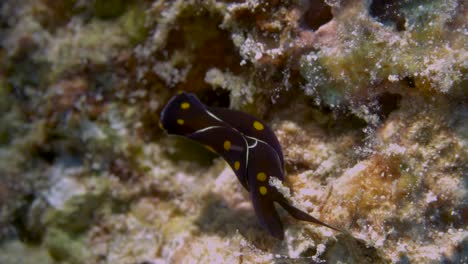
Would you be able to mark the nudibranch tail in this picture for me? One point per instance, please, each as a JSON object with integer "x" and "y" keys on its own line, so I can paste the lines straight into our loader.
{"x": 266, "y": 211}
{"x": 301, "y": 215}
{"x": 263, "y": 163}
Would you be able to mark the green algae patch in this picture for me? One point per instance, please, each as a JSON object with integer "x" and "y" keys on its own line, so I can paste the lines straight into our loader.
{"x": 5, "y": 99}
{"x": 133, "y": 23}
{"x": 9, "y": 116}
{"x": 63, "y": 247}
{"x": 13, "y": 252}
{"x": 77, "y": 213}
{"x": 108, "y": 9}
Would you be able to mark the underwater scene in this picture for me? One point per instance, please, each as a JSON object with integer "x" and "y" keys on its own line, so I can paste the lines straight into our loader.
{"x": 233, "y": 131}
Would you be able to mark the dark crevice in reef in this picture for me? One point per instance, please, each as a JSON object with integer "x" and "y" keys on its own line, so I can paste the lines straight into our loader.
{"x": 22, "y": 227}
{"x": 388, "y": 102}
{"x": 345, "y": 122}
{"x": 3, "y": 19}
{"x": 409, "y": 81}
{"x": 106, "y": 9}
{"x": 443, "y": 218}
{"x": 217, "y": 217}
{"x": 388, "y": 12}
{"x": 334, "y": 121}
{"x": 207, "y": 43}
{"x": 318, "y": 13}
{"x": 218, "y": 97}
{"x": 354, "y": 250}
{"x": 191, "y": 49}
{"x": 52, "y": 14}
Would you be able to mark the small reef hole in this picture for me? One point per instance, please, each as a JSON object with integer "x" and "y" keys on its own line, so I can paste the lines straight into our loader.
{"x": 388, "y": 103}
{"x": 409, "y": 81}
{"x": 218, "y": 98}
{"x": 25, "y": 233}
{"x": 388, "y": 12}
{"x": 318, "y": 13}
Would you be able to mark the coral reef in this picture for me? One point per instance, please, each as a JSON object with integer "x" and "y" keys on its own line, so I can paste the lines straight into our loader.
{"x": 369, "y": 99}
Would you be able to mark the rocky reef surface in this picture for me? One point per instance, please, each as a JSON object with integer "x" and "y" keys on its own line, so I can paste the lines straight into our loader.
{"x": 369, "y": 99}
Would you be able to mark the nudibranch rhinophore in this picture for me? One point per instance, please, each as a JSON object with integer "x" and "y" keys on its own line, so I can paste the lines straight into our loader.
{"x": 246, "y": 143}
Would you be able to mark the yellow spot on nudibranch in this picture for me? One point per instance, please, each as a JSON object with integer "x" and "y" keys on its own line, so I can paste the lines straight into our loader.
{"x": 236, "y": 165}
{"x": 180, "y": 121}
{"x": 210, "y": 148}
{"x": 227, "y": 145}
{"x": 262, "y": 190}
{"x": 161, "y": 125}
{"x": 257, "y": 125}
{"x": 185, "y": 105}
{"x": 261, "y": 176}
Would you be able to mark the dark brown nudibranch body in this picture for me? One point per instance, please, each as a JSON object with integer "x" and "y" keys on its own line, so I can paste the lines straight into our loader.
{"x": 246, "y": 143}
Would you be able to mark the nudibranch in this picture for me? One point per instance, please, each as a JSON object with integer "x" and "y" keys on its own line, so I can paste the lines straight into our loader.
{"x": 246, "y": 143}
